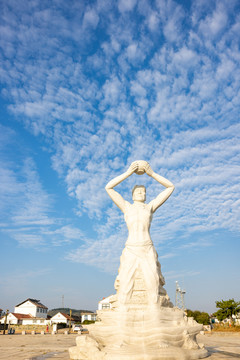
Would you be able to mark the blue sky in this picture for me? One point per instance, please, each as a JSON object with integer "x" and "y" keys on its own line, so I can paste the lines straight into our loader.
{"x": 87, "y": 87}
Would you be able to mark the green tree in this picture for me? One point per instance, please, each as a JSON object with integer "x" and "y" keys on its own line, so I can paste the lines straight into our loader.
{"x": 227, "y": 308}
{"x": 199, "y": 316}
{"x": 203, "y": 318}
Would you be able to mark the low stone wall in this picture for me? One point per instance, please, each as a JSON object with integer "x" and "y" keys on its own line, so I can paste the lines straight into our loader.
{"x": 37, "y": 328}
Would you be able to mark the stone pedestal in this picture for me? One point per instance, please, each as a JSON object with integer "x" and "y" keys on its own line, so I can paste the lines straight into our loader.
{"x": 140, "y": 331}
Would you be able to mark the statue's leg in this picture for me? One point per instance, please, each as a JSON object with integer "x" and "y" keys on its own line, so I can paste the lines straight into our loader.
{"x": 153, "y": 276}
{"x": 125, "y": 279}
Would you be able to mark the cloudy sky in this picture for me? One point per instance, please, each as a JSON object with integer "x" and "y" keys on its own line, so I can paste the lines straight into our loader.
{"x": 87, "y": 87}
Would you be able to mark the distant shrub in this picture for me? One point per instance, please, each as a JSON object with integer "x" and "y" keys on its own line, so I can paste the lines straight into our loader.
{"x": 199, "y": 316}
{"x": 87, "y": 322}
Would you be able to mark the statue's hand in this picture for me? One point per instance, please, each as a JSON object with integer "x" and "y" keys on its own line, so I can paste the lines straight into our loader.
{"x": 133, "y": 167}
{"x": 148, "y": 169}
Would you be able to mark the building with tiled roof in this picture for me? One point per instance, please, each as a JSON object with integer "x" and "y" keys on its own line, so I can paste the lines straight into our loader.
{"x": 15, "y": 318}
{"x": 61, "y": 317}
{"x": 33, "y": 301}
{"x": 28, "y": 312}
{"x": 32, "y": 307}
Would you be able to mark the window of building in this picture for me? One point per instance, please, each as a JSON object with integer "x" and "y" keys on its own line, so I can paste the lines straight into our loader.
{"x": 105, "y": 306}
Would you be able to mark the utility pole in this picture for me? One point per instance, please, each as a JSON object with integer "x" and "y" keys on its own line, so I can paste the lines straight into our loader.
{"x": 5, "y": 322}
{"x": 179, "y": 301}
{"x": 62, "y": 301}
{"x": 70, "y": 320}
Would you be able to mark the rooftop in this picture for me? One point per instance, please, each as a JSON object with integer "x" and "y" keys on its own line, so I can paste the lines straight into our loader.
{"x": 35, "y": 302}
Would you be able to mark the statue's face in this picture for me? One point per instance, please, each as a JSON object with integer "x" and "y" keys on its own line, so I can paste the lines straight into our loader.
{"x": 139, "y": 194}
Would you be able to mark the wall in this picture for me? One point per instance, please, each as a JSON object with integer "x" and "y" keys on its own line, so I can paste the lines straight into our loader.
{"x": 30, "y": 308}
{"x": 59, "y": 318}
{"x": 20, "y": 328}
{"x": 35, "y": 322}
{"x": 26, "y": 308}
{"x": 10, "y": 318}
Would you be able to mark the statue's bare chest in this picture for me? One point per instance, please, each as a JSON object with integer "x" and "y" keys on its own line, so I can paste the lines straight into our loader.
{"x": 140, "y": 214}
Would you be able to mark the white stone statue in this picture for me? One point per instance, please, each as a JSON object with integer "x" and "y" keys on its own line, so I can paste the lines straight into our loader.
{"x": 142, "y": 323}
{"x": 139, "y": 253}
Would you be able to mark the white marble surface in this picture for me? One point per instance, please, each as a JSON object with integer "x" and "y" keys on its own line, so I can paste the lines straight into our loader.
{"x": 142, "y": 323}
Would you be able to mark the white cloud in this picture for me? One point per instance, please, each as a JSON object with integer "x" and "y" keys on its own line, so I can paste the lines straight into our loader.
{"x": 68, "y": 232}
{"x": 35, "y": 201}
{"x": 134, "y": 53}
{"x": 171, "y": 15}
{"x": 185, "y": 57}
{"x": 181, "y": 274}
{"x": 113, "y": 91}
{"x": 214, "y": 23}
{"x": 28, "y": 240}
{"x": 27, "y": 209}
{"x": 169, "y": 95}
{"x": 226, "y": 69}
{"x": 167, "y": 256}
{"x": 126, "y": 5}
{"x": 153, "y": 21}
{"x": 103, "y": 253}
{"x": 90, "y": 18}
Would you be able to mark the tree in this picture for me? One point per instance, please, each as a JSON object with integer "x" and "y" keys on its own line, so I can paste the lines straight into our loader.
{"x": 227, "y": 308}
{"x": 203, "y": 318}
{"x": 200, "y": 317}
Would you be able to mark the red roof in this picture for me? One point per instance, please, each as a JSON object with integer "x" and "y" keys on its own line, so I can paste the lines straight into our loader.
{"x": 22, "y": 316}
{"x": 73, "y": 317}
{"x": 66, "y": 316}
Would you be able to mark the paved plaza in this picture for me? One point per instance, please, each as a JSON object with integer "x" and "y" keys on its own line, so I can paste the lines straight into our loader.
{"x": 40, "y": 347}
{"x": 222, "y": 345}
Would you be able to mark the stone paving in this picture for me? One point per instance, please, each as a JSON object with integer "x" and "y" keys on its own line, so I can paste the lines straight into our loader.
{"x": 36, "y": 347}
{"x": 222, "y": 345}
{"x": 40, "y": 347}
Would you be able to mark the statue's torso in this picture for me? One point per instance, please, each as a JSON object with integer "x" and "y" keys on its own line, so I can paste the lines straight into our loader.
{"x": 138, "y": 218}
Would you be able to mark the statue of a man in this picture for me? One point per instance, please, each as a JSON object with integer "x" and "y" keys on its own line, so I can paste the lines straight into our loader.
{"x": 142, "y": 323}
{"x": 139, "y": 252}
